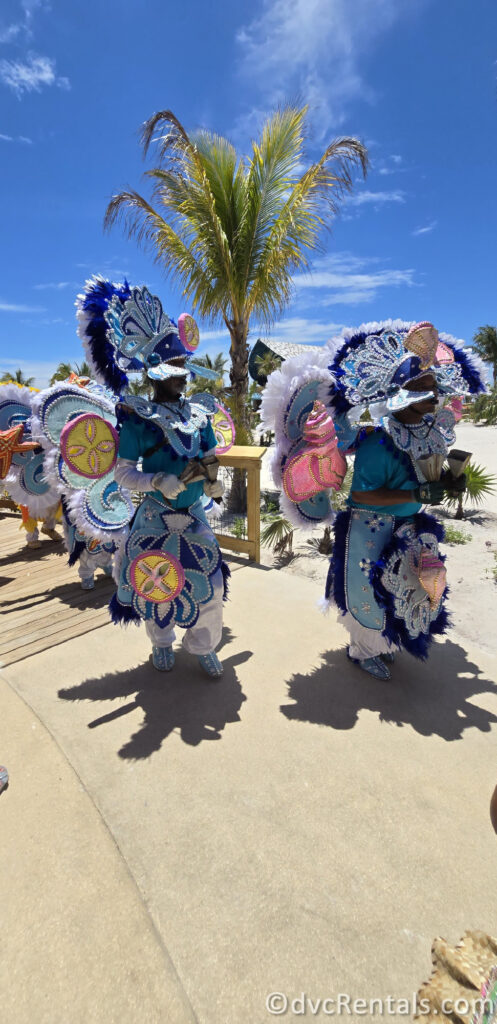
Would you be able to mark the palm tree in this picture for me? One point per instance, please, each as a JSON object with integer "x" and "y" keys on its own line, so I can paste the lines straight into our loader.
{"x": 232, "y": 230}
{"x": 141, "y": 385}
{"x": 64, "y": 371}
{"x": 215, "y": 387}
{"x": 266, "y": 365}
{"x": 17, "y": 378}
{"x": 485, "y": 344}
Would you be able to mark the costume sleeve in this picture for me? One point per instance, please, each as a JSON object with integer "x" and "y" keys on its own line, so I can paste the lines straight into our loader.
{"x": 127, "y": 474}
{"x": 208, "y": 441}
{"x": 371, "y": 469}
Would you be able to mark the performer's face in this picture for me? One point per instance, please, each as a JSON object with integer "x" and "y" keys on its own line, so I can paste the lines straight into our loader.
{"x": 170, "y": 390}
{"x": 425, "y": 383}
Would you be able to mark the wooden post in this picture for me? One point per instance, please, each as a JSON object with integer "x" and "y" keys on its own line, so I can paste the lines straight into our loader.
{"x": 249, "y": 459}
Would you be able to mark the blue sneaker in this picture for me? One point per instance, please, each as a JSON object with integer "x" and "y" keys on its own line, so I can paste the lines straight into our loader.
{"x": 108, "y": 570}
{"x": 163, "y": 658}
{"x": 88, "y": 583}
{"x": 373, "y": 666}
{"x": 211, "y": 664}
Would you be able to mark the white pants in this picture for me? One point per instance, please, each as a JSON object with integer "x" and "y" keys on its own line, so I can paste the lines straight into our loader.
{"x": 364, "y": 642}
{"x": 205, "y": 635}
{"x": 87, "y": 563}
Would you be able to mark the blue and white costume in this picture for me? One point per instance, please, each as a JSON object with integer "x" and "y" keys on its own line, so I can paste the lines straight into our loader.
{"x": 386, "y": 575}
{"x": 168, "y": 568}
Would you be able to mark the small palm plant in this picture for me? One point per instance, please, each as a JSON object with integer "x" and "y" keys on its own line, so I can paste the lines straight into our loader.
{"x": 278, "y": 533}
{"x": 479, "y": 484}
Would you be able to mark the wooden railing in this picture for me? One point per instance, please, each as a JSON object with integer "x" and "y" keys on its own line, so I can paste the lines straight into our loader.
{"x": 248, "y": 459}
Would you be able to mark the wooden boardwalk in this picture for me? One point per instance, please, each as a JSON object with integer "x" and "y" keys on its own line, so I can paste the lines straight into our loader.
{"x": 41, "y": 601}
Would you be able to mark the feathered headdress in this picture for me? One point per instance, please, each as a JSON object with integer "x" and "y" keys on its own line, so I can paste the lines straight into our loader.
{"x": 125, "y": 329}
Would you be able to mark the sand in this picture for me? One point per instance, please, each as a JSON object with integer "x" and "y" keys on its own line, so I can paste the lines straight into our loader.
{"x": 470, "y": 566}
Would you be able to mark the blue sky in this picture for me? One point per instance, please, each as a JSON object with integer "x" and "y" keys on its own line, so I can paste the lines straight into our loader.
{"x": 414, "y": 79}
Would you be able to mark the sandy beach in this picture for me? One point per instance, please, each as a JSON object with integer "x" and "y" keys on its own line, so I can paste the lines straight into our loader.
{"x": 470, "y": 566}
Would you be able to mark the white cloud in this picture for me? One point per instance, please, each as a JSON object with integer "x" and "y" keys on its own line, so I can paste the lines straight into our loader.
{"x": 31, "y": 75}
{"x": 426, "y": 230}
{"x": 312, "y": 48}
{"x": 376, "y": 198}
{"x": 13, "y": 307}
{"x": 18, "y": 138}
{"x": 10, "y": 32}
{"x": 348, "y": 280}
{"x": 54, "y": 285}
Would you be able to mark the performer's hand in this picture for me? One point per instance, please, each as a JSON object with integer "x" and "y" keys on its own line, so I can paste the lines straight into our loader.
{"x": 431, "y": 493}
{"x": 213, "y": 489}
{"x": 454, "y": 485}
{"x": 168, "y": 484}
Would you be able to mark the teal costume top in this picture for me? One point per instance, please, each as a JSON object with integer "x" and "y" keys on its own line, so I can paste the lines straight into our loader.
{"x": 378, "y": 464}
{"x": 137, "y": 437}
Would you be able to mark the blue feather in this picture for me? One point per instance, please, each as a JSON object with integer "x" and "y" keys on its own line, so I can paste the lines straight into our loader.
{"x": 97, "y": 297}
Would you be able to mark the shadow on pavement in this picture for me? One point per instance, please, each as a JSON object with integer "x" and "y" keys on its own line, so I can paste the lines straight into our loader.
{"x": 183, "y": 701}
{"x": 433, "y": 697}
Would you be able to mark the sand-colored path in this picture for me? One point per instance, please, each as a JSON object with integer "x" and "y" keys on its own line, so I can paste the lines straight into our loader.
{"x": 296, "y": 827}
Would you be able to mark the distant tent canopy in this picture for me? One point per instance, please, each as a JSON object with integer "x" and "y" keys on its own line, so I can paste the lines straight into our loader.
{"x": 281, "y": 349}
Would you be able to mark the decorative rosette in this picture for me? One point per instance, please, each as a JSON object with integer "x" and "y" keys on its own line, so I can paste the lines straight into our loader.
{"x": 166, "y": 568}
{"x": 78, "y": 431}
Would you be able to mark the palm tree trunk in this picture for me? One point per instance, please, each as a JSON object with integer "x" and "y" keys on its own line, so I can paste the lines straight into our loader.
{"x": 239, "y": 372}
{"x": 237, "y": 498}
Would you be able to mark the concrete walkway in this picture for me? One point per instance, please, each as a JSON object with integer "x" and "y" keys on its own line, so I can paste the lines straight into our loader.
{"x": 176, "y": 850}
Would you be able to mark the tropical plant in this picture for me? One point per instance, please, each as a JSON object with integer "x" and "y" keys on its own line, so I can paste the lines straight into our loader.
{"x": 484, "y": 408}
{"x": 64, "y": 371}
{"x": 277, "y": 533}
{"x": 233, "y": 230}
{"x": 455, "y": 536}
{"x": 17, "y": 378}
{"x": 485, "y": 345}
{"x": 266, "y": 365}
{"x": 214, "y": 387}
{"x": 141, "y": 385}
{"x": 479, "y": 484}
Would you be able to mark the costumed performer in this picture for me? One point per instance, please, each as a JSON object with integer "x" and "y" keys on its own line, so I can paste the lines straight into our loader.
{"x": 169, "y": 571}
{"x": 386, "y": 572}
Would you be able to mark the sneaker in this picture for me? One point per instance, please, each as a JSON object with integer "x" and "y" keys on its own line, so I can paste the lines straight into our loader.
{"x": 211, "y": 664}
{"x": 31, "y": 544}
{"x": 88, "y": 584}
{"x": 163, "y": 658}
{"x": 373, "y": 666}
{"x": 108, "y": 570}
{"x": 51, "y": 533}
{"x": 4, "y": 778}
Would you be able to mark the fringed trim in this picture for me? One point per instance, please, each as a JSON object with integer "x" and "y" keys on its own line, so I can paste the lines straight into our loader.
{"x": 77, "y": 551}
{"x": 335, "y": 581}
{"x": 226, "y": 572}
{"x": 121, "y": 614}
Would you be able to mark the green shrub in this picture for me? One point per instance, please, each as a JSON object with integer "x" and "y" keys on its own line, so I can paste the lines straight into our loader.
{"x": 455, "y": 536}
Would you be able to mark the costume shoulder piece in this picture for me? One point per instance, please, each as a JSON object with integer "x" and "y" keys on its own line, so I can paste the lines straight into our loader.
{"x": 77, "y": 427}
{"x": 307, "y": 462}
